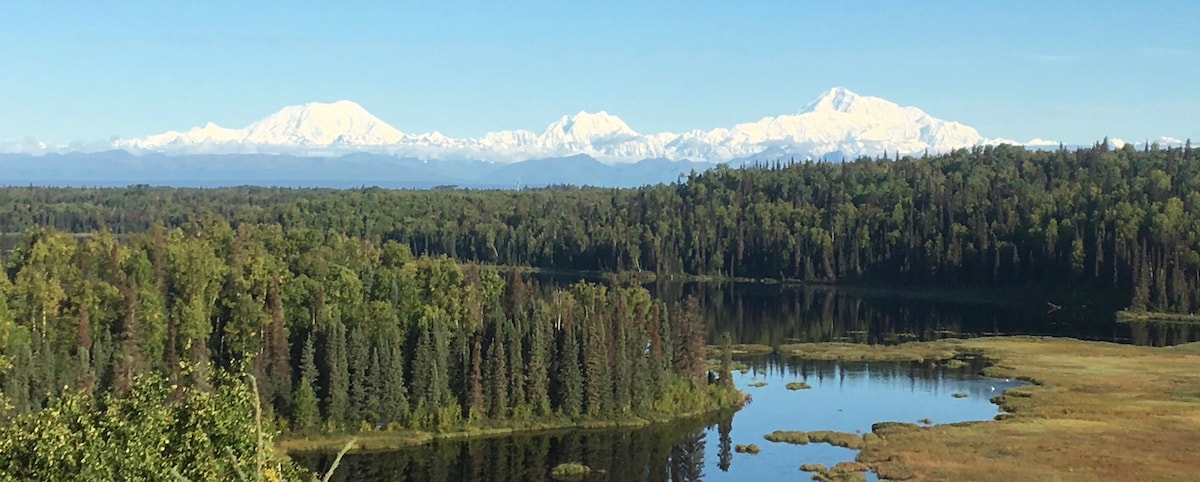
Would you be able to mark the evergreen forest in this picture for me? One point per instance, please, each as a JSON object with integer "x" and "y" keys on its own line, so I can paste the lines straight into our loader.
{"x": 1125, "y": 219}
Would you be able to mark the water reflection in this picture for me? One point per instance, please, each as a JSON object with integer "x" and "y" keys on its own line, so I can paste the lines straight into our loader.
{"x": 846, "y": 397}
{"x": 670, "y": 452}
{"x": 775, "y": 314}
{"x": 1163, "y": 333}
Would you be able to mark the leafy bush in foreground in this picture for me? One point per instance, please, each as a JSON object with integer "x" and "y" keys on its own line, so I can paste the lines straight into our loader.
{"x": 153, "y": 432}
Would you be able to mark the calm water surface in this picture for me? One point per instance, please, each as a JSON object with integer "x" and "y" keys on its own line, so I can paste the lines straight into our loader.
{"x": 846, "y": 397}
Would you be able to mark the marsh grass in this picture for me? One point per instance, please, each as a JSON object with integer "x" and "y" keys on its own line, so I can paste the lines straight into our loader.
{"x": 740, "y": 349}
{"x": 954, "y": 363}
{"x": 714, "y": 364}
{"x": 829, "y": 476}
{"x": 892, "y": 470}
{"x": 788, "y": 436}
{"x": 849, "y": 466}
{"x": 841, "y": 472}
{"x": 1125, "y": 316}
{"x": 919, "y": 352}
{"x": 746, "y": 448}
{"x": 758, "y": 384}
{"x": 798, "y": 386}
{"x": 958, "y": 395}
{"x": 1093, "y": 411}
{"x": 570, "y": 471}
{"x": 837, "y": 439}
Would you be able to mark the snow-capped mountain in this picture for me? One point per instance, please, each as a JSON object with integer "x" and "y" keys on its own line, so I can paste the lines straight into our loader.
{"x": 342, "y": 123}
{"x": 837, "y": 122}
{"x": 1162, "y": 141}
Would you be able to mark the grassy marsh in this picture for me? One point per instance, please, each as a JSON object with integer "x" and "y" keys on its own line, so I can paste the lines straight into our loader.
{"x": 934, "y": 351}
{"x": 1093, "y": 411}
{"x": 570, "y": 471}
{"x": 837, "y": 439}
{"x": 740, "y": 349}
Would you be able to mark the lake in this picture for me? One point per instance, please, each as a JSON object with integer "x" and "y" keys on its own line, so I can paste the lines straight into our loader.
{"x": 775, "y": 314}
{"x": 845, "y": 396}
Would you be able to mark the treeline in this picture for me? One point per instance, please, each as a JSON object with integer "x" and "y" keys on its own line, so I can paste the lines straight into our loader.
{"x": 340, "y": 332}
{"x": 988, "y": 216}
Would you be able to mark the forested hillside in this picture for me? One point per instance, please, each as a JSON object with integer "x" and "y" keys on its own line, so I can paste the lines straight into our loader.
{"x": 989, "y": 216}
{"x": 340, "y": 332}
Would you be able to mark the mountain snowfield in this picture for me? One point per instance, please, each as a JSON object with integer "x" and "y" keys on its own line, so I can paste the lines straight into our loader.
{"x": 839, "y": 123}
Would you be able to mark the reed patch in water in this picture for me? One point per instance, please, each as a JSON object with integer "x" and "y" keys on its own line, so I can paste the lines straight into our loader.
{"x": 788, "y": 436}
{"x": 570, "y": 471}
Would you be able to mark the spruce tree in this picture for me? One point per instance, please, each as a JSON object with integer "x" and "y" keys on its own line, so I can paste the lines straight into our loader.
{"x": 277, "y": 351}
{"x": 689, "y": 339}
{"x": 597, "y": 387}
{"x": 621, "y": 352}
{"x": 497, "y": 379}
{"x": 372, "y": 409}
{"x": 337, "y": 374}
{"x": 304, "y": 401}
{"x": 515, "y": 349}
{"x": 424, "y": 371}
{"x": 726, "y": 370}
{"x": 359, "y": 360}
{"x": 570, "y": 377}
{"x": 128, "y": 361}
{"x": 538, "y": 382}
{"x": 392, "y": 392}
{"x": 475, "y": 406}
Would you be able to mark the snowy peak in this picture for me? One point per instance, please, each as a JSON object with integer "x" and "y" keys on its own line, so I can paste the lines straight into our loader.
{"x": 839, "y": 123}
{"x": 341, "y": 123}
{"x": 320, "y": 124}
{"x": 586, "y": 125}
{"x": 840, "y": 101}
{"x": 837, "y": 99}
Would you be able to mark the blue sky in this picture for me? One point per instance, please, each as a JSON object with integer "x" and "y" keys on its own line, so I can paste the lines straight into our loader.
{"x": 1073, "y": 71}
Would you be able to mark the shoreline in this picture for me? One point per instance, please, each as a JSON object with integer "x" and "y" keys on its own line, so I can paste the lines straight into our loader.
{"x": 1126, "y": 316}
{"x": 383, "y": 441}
{"x": 1032, "y": 295}
{"x": 1092, "y": 411}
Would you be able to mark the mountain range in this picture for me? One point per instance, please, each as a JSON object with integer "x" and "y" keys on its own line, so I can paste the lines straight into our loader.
{"x": 341, "y": 144}
{"x": 839, "y": 122}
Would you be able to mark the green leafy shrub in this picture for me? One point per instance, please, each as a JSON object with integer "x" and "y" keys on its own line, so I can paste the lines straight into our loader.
{"x": 153, "y": 432}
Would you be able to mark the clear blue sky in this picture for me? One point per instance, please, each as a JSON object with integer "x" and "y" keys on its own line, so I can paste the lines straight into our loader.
{"x": 1073, "y": 71}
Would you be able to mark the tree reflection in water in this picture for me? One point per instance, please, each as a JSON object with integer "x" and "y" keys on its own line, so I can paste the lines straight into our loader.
{"x": 667, "y": 452}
